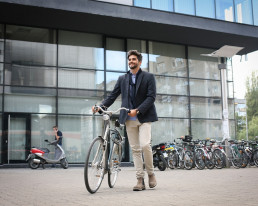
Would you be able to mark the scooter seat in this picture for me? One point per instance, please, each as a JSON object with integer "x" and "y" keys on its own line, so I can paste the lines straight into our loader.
{"x": 46, "y": 150}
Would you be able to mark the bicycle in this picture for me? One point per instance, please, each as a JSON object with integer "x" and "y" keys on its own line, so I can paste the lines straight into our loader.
{"x": 105, "y": 154}
{"x": 203, "y": 156}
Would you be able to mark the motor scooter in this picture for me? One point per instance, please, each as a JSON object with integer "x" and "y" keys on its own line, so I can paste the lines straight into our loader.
{"x": 39, "y": 156}
{"x": 158, "y": 156}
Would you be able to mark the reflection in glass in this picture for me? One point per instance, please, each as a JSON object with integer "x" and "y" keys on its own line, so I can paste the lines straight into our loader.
{"x": 79, "y": 131}
{"x": 1, "y": 46}
{"x": 232, "y": 129}
{"x": 30, "y": 53}
{"x": 167, "y": 59}
{"x": 1, "y": 73}
{"x": 224, "y": 10}
{"x": 171, "y": 85}
{"x": 172, "y": 106}
{"x": 140, "y": 46}
{"x": 81, "y": 101}
{"x": 32, "y": 100}
{"x": 206, "y": 108}
{"x": 202, "y": 129}
{"x": 142, "y": 3}
{"x": 41, "y": 129}
{"x": 27, "y": 75}
{"x": 17, "y": 138}
{"x": 165, "y": 5}
{"x": 80, "y": 78}
{"x": 116, "y": 55}
{"x": 243, "y": 11}
{"x": 1, "y": 97}
{"x": 111, "y": 79}
{"x": 1, "y": 137}
{"x": 231, "y": 109}
{"x": 205, "y": 8}
{"x": 30, "y": 46}
{"x": 205, "y": 88}
{"x": 80, "y": 50}
{"x": 230, "y": 90}
{"x": 184, "y": 6}
{"x": 255, "y": 12}
{"x": 202, "y": 66}
{"x": 167, "y": 130}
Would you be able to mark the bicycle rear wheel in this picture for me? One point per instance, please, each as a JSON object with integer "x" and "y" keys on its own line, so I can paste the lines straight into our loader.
{"x": 188, "y": 160}
{"x": 94, "y": 168}
{"x": 114, "y": 164}
{"x": 219, "y": 159}
{"x": 255, "y": 158}
{"x": 199, "y": 159}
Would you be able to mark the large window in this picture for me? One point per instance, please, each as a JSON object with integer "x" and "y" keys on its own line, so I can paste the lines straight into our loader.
{"x": 202, "y": 66}
{"x": 185, "y": 6}
{"x": 116, "y": 55}
{"x": 225, "y": 10}
{"x": 167, "y": 130}
{"x": 205, "y": 8}
{"x": 142, "y": 3}
{"x": 201, "y": 129}
{"x": 167, "y": 59}
{"x": 172, "y": 106}
{"x": 1, "y": 43}
{"x": 255, "y": 12}
{"x": 78, "y": 133}
{"x": 209, "y": 108}
{"x": 30, "y": 100}
{"x": 77, "y": 101}
{"x": 243, "y": 11}
{"x": 165, "y": 5}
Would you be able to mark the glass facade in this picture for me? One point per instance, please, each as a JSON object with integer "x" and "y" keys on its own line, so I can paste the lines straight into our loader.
{"x": 51, "y": 77}
{"x": 205, "y": 8}
{"x": 240, "y": 11}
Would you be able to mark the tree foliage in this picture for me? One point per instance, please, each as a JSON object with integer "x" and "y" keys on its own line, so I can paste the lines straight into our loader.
{"x": 252, "y": 96}
{"x": 252, "y": 107}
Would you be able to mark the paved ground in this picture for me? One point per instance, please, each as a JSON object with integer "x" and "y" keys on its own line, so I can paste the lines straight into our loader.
{"x": 56, "y": 186}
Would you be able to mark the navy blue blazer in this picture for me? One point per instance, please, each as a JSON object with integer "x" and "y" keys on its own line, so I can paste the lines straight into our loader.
{"x": 144, "y": 96}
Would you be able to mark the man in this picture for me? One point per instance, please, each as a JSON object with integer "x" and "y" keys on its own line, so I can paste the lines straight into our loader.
{"x": 138, "y": 93}
{"x": 58, "y": 137}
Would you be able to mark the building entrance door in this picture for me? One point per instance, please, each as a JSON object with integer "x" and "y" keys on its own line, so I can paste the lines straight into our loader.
{"x": 16, "y": 138}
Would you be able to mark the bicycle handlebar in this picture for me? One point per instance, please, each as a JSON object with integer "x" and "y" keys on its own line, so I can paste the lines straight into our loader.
{"x": 96, "y": 108}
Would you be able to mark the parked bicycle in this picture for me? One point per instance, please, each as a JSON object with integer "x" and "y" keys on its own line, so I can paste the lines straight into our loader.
{"x": 104, "y": 154}
{"x": 181, "y": 156}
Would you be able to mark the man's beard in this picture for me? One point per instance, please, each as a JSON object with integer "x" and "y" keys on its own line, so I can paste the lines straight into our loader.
{"x": 133, "y": 66}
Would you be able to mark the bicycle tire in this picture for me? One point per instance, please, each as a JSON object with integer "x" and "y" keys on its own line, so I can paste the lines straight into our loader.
{"x": 199, "y": 159}
{"x": 114, "y": 164}
{"x": 218, "y": 158}
{"x": 245, "y": 160}
{"x": 94, "y": 171}
{"x": 171, "y": 160}
{"x": 237, "y": 162}
{"x": 255, "y": 157}
{"x": 188, "y": 160}
{"x": 209, "y": 162}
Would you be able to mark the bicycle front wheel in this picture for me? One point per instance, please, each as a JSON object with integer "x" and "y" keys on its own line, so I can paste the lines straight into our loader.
{"x": 188, "y": 160}
{"x": 218, "y": 158}
{"x": 199, "y": 159}
{"x": 94, "y": 168}
{"x": 114, "y": 164}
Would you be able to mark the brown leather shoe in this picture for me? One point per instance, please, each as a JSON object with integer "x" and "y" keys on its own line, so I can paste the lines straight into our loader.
{"x": 152, "y": 181}
{"x": 140, "y": 185}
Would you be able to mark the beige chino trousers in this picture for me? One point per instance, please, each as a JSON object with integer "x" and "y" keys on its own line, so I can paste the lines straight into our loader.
{"x": 139, "y": 136}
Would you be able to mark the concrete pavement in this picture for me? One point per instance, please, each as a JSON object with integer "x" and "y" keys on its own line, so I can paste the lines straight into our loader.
{"x": 56, "y": 186}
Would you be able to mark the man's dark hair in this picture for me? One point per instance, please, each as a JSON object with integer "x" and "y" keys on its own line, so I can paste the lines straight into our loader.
{"x": 136, "y": 53}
